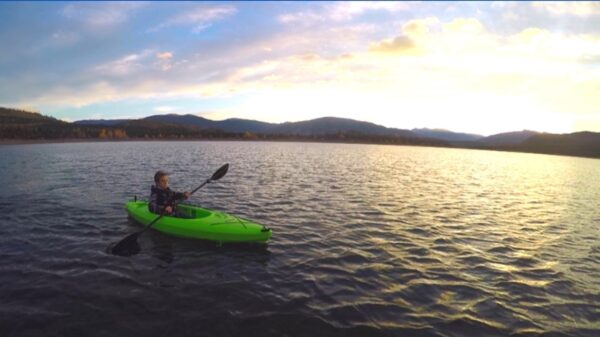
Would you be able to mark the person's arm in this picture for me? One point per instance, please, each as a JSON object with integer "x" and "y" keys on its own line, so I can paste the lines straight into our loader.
{"x": 177, "y": 196}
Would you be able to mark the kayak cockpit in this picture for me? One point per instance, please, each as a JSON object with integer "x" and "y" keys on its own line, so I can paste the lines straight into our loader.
{"x": 193, "y": 212}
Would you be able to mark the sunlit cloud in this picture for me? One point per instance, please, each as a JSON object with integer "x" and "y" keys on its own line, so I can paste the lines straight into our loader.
{"x": 464, "y": 26}
{"x": 164, "y": 56}
{"x": 166, "y": 109}
{"x": 419, "y": 27}
{"x": 396, "y": 45}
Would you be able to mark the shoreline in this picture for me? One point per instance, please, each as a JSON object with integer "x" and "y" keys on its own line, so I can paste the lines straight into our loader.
{"x": 9, "y": 142}
{"x": 85, "y": 140}
{"x": 98, "y": 140}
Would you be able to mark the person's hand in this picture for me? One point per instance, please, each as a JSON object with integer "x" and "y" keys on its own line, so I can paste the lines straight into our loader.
{"x": 168, "y": 209}
{"x": 186, "y": 194}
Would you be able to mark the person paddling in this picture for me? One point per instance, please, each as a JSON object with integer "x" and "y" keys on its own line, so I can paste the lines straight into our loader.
{"x": 162, "y": 198}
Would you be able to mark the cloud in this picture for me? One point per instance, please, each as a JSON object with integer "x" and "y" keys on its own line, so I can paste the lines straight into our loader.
{"x": 419, "y": 26}
{"x": 342, "y": 11}
{"x": 143, "y": 63}
{"x": 480, "y": 60}
{"x": 464, "y": 26}
{"x": 395, "y": 45}
{"x": 591, "y": 59}
{"x": 64, "y": 38}
{"x": 536, "y": 78}
{"x": 100, "y": 15}
{"x": 200, "y": 17}
{"x": 126, "y": 65}
{"x": 166, "y": 109}
{"x": 349, "y": 10}
{"x": 164, "y": 60}
{"x": 580, "y": 9}
{"x": 301, "y": 17}
{"x": 411, "y": 30}
{"x": 65, "y": 95}
{"x": 164, "y": 56}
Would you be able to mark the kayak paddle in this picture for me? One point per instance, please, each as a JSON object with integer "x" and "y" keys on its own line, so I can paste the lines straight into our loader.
{"x": 129, "y": 245}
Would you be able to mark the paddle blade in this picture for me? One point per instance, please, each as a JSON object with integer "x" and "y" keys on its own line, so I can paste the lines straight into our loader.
{"x": 220, "y": 172}
{"x": 128, "y": 246}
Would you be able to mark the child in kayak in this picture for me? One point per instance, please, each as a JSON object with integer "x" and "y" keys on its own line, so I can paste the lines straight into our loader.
{"x": 162, "y": 198}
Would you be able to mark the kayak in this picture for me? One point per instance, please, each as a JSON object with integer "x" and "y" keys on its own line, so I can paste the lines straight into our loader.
{"x": 202, "y": 224}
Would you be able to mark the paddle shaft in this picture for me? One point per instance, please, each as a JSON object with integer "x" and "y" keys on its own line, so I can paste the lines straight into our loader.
{"x": 199, "y": 187}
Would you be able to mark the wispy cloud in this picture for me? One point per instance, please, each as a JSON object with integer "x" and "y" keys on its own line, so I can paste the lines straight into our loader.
{"x": 101, "y": 15}
{"x": 581, "y": 9}
{"x": 342, "y": 11}
{"x": 65, "y": 95}
{"x": 198, "y": 18}
{"x": 64, "y": 38}
{"x": 126, "y": 65}
{"x": 349, "y": 10}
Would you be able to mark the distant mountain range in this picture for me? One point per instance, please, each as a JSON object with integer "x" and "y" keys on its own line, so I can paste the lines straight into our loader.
{"x": 447, "y": 135}
{"x": 314, "y": 127}
{"x": 322, "y": 126}
{"x": 17, "y": 124}
{"x": 508, "y": 138}
{"x": 583, "y": 144}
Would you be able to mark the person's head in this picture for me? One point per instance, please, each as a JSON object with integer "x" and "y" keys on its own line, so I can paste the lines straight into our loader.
{"x": 161, "y": 178}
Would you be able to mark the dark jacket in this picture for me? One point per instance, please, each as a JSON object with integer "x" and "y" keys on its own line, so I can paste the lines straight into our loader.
{"x": 161, "y": 198}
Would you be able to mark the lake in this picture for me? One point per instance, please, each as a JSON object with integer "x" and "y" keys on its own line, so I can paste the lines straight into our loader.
{"x": 368, "y": 240}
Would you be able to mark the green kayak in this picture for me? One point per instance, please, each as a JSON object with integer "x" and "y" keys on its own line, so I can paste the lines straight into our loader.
{"x": 202, "y": 224}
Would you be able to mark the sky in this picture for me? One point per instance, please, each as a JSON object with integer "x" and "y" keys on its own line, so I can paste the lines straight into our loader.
{"x": 476, "y": 67}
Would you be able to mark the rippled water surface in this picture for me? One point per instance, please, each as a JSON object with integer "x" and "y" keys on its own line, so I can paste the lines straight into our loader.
{"x": 368, "y": 241}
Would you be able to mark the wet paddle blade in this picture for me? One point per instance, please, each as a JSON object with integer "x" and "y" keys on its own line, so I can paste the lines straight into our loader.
{"x": 128, "y": 246}
{"x": 220, "y": 172}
